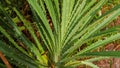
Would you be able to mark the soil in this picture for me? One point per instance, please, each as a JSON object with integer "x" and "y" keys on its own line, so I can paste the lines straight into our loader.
{"x": 112, "y": 62}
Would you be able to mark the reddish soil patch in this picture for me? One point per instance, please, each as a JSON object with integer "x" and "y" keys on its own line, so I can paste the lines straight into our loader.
{"x": 113, "y": 62}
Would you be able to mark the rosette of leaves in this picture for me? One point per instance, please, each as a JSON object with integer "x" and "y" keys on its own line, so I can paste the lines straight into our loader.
{"x": 62, "y": 39}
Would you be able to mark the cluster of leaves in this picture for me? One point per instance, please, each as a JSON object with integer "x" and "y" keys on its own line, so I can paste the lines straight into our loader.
{"x": 71, "y": 25}
{"x": 113, "y": 2}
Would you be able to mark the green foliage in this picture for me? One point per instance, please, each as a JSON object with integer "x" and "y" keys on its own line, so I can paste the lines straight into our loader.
{"x": 71, "y": 25}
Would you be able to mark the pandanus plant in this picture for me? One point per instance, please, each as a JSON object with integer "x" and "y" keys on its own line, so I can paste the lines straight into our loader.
{"x": 63, "y": 36}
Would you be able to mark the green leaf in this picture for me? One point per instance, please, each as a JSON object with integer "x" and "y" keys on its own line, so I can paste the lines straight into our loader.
{"x": 57, "y": 7}
{"x": 92, "y": 30}
{"x": 115, "y": 54}
{"x": 30, "y": 29}
{"x": 17, "y": 55}
{"x": 53, "y": 14}
{"x": 12, "y": 40}
{"x": 107, "y": 31}
{"x": 42, "y": 16}
{"x": 55, "y": 21}
{"x": 66, "y": 12}
{"x": 83, "y": 19}
{"x": 21, "y": 37}
{"x": 42, "y": 31}
{"x": 90, "y": 64}
{"x": 73, "y": 25}
{"x": 94, "y": 46}
{"x": 41, "y": 2}
{"x": 100, "y": 43}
